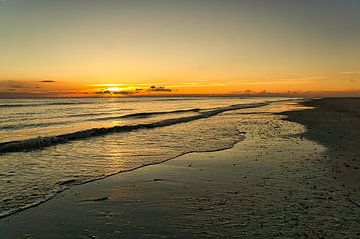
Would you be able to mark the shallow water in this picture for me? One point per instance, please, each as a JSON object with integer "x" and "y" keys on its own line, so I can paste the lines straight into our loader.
{"x": 196, "y": 124}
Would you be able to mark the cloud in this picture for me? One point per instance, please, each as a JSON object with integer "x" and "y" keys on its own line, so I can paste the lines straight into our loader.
{"x": 129, "y": 91}
{"x": 352, "y": 76}
{"x": 350, "y": 72}
{"x": 100, "y": 92}
{"x": 22, "y": 85}
{"x": 16, "y": 86}
{"x": 124, "y": 92}
{"x": 289, "y": 93}
{"x": 158, "y": 89}
{"x": 13, "y": 85}
{"x": 108, "y": 92}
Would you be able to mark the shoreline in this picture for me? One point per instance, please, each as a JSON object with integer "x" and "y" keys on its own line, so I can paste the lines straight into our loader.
{"x": 35, "y": 204}
{"x": 266, "y": 185}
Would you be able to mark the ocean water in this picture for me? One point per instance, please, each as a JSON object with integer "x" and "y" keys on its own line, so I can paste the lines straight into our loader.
{"x": 48, "y": 145}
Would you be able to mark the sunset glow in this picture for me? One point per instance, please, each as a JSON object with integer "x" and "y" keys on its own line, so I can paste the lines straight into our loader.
{"x": 57, "y": 48}
{"x": 114, "y": 89}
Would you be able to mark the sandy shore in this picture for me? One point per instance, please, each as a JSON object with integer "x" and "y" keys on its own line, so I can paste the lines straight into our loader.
{"x": 280, "y": 182}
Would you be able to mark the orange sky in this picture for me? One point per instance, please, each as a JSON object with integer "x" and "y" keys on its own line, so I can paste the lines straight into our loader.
{"x": 122, "y": 48}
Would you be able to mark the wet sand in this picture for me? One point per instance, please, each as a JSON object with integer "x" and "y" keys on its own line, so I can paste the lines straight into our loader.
{"x": 280, "y": 182}
{"x": 335, "y": 123}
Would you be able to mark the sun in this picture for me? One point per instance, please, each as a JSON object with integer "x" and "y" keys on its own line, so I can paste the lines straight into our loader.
{"x": 114, "y": 89}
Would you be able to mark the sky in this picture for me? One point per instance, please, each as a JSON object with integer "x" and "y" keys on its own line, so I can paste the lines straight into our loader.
{"x": 159, "y": 47}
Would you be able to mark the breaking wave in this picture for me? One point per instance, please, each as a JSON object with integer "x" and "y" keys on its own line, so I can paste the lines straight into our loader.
{"x": 148, "y": 114}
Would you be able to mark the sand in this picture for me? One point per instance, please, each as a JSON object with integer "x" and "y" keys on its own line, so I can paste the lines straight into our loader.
{"x": 270, "y": 185}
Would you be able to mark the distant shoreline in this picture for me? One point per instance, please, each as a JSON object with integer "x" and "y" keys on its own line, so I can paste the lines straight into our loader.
{"x": 159, "y": 96}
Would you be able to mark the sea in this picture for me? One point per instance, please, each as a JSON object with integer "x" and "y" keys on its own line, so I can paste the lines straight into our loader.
{"x": 49, "y": 145}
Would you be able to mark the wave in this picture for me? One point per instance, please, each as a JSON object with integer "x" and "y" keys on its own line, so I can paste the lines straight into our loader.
{"x": 43, "y": 142}
{"x": 34, "y": 125}
{"x": 176, "y": 99}
{"x": 17, "y": 105}
{"x": 83, "y": 115}
{"x": 43, "y": 104}
{"x": 128, "y": 116}
{"x": 148, "y": 114}
{"x": 93, "y": 114}
{"x": 194, "y": 98}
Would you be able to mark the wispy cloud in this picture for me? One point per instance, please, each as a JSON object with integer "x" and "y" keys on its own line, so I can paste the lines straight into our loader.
{"x": 355, "y": 92}
{"x": 124, "y": 85}
{"x": 350, "y": 72}
{"x": 197, "y": 84}
{"x": 47, "y": 81}
{"x": 108, "y": 92}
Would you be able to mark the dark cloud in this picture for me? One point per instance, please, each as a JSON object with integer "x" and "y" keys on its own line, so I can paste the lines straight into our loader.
{"x": 16, "y": 86}
{"x": 102, "y": 92}
{"x": 123, "y": 92}
{"x": 47, "y": 81}
{"x": 107, "y": 92}
{"x": 159, "y": 89}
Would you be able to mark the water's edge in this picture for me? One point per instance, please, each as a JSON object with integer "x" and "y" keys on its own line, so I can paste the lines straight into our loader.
{"x": 68, "y": 186}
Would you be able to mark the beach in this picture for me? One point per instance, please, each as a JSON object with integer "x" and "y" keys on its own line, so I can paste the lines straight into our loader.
{"x": 292, "y": 174}
{"x": 179, "y": 119}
